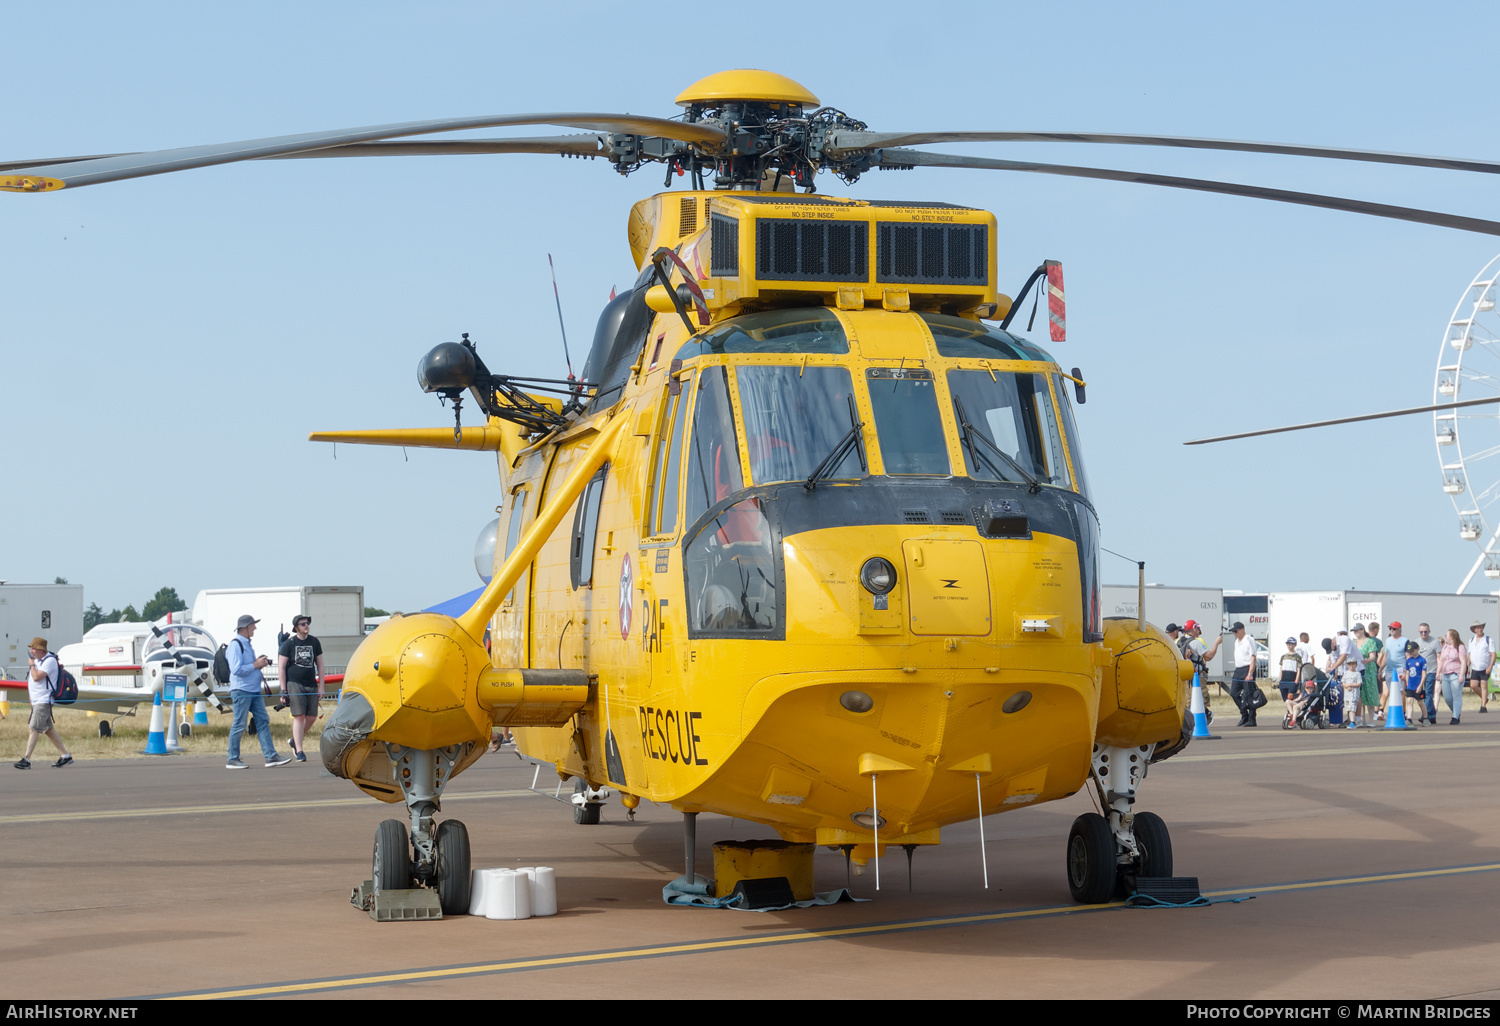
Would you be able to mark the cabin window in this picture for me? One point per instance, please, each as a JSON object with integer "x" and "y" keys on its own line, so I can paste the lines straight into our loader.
{"x": 1014, "y": 413}
{"x": 906, "y": 419}
{"x": 733, "y": 574}
{"x": 960, "y": 338}
{"x": 794, "y": 417}
{"x": 513, "y": 535}
{"x": 585, "y": 531}
{"x": 801, "y": 330}
{"x": 1070, "y": 428}
{"x": 714, "y": 452}
{"x": 666, "y": 476}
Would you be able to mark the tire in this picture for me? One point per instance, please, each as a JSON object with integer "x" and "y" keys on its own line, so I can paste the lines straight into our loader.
{"x": 588, "y": 813}
{"x": 1155, "y": 844}
{"x": 185, "y": 730}
{"x": 1091, "y": 859}
{"x": 105, "y": 730}
{"x": 390, "y": 868}
{"x": 453, "y": 878}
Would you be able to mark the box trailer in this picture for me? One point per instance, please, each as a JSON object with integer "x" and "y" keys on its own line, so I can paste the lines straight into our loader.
{"x": 338, "y": 617}
{"x": 1322, "y": 613}
{"x": 51, "y": 611}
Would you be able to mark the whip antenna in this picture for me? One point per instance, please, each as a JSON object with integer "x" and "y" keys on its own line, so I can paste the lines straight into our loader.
{"x": 560, "y": 323}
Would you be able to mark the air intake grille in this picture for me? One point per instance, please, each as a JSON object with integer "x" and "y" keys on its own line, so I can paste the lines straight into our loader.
{"x": 791, "y": 250}
{"x": 915, "y": 516}
{"x": 687, "y": 222}
{"x": 932, "y": 254}
{"x": 724, "y": 260}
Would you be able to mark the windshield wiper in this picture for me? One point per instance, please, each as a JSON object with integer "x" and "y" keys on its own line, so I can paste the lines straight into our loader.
{"x": 1033, "y": 485}
{"x": 854, "y": 439}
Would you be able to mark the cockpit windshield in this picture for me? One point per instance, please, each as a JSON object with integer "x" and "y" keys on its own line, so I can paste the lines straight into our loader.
{"x": 800, "y": 330}
{"x": 179, "y": 636}
{"x": 794, "y": 418}
{"x": 1014, "y": 414}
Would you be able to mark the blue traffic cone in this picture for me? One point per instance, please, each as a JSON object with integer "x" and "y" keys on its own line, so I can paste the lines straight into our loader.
{"x": 200, "y": 713}
{"x": 156, "y": 740}
{"x": 1200, "y": 713}
{"x": 1395, "y": 709}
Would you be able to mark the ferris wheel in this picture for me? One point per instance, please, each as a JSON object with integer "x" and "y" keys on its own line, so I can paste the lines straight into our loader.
{"x": 1468, "y": 436}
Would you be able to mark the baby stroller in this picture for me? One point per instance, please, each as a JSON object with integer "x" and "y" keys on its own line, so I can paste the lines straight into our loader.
{"x": 1310, "y": 711}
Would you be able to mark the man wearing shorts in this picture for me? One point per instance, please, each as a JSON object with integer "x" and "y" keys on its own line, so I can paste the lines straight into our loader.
{"x": 1481, "y": 655}
{"x": 40, "y": 681}
{"x": 301, "y": 667}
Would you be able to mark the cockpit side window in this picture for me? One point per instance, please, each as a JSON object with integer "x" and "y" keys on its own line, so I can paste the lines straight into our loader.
{"x": 1075, "y": 451}
{"x": 714, "y": 449}
{"x": 667, "y": 474}
{"x": 513, "y": 535}
{"x": 586, "y": 531}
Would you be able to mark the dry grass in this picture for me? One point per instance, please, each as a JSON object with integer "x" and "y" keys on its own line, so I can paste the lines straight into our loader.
{"x": 80, "y": 732}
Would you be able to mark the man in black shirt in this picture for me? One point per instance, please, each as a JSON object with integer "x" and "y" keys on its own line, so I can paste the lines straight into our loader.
{"x": 301, "y": 666}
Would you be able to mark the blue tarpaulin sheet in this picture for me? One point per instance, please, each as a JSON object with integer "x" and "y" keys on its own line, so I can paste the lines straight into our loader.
{"x": 455, "y": 606}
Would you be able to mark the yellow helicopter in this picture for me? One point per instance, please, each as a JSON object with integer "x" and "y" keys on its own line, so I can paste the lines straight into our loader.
{"x": 810, "y": 543}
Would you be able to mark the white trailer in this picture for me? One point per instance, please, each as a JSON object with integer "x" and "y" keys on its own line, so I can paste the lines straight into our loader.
{"x": 1323, "y": 613}
{"x": 338, "y": 617}
{"x": 51, "y": 611}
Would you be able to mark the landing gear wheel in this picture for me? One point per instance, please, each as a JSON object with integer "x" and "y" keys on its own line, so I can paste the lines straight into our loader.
{"x": 1155, "y": 843}
{"x": 453, "y": 877}
{"x": 391, "y": 866}
{"x": 185, "y": 729}
{"x": 1091, "y": 859}
{"x": 586, "y": 814}
{"x": 105, "y": 730}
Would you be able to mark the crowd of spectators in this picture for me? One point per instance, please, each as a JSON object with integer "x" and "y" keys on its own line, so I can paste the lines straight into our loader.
{"x": 1369, "y": 674}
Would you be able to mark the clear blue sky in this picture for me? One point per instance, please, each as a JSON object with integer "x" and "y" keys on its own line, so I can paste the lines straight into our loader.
{"x": 166, "y": 344}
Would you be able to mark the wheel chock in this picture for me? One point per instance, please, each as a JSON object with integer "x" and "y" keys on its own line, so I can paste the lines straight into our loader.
{"x": 397, "y": 906}
{"x": 1168, "y": 890}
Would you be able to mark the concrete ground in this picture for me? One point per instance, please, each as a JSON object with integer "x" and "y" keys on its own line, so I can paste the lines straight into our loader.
{"x": 1373, "y": 858}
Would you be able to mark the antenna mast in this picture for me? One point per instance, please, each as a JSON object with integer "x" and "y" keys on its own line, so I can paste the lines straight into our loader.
{"x": 560, "y": 323}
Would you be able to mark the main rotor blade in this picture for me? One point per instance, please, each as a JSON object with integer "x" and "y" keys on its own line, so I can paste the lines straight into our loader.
{"x": 923, "y": 158}
{"x": 572, "y": 145}
{"x": 841, "y": 143}
{"x": 72, "y": 173}
{"x": 1349, "y": 420}
{"x": 11, "y": 165}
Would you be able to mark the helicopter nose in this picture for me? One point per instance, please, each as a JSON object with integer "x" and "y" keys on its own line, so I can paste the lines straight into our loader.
{"x": 433, "y": 674}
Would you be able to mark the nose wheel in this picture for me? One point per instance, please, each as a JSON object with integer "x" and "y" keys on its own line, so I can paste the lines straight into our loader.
{"x": 453, "y": 878}
{"x": 390, "y": 869}
{"x": 393, "y": 867}
{"x": 1097, "y": 866}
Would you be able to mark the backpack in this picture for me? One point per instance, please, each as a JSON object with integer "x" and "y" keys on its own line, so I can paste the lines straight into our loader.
{"x": 221, "y": 664}
{"x": 65, "y": 692}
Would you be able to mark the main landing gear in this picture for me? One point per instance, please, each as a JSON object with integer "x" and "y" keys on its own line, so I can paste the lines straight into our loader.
{"x": 587, "y": 801}
{"x": 435, "y": 856}
{"x": 1107, "y": 856}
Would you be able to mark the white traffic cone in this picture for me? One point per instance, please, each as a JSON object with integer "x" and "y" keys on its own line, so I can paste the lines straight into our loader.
{"x": 1200, "y": 713}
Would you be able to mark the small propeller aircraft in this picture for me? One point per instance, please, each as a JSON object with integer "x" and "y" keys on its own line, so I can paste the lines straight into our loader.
{"x": 810, "y": 543}
{"x": 121, "y": 666}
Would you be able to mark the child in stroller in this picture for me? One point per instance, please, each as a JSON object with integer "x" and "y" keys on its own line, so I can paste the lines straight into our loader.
{"x": 1309, "y": 710}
